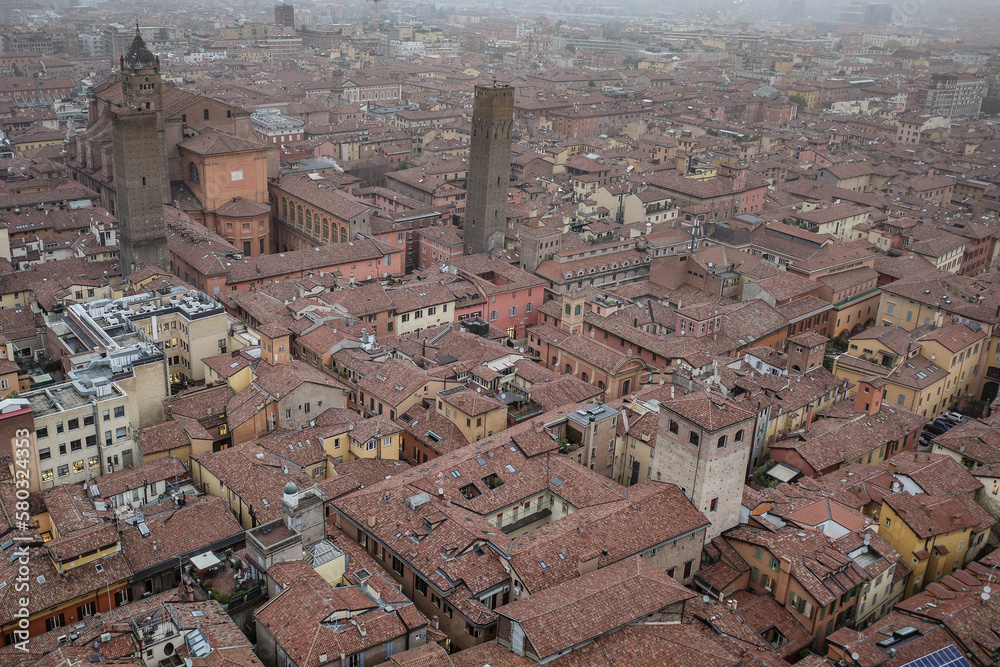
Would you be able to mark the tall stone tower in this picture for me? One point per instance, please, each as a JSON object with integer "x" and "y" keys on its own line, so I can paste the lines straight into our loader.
{"x": 140, "y": 162}
{"x": 489, "y": 168}
{"x": 284, "y": 15}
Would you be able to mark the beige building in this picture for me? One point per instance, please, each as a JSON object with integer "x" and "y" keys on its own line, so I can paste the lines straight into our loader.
{"x": 703, "y": 446}
{"x": 421, "y": 306}
{"x": 83, "y": 429}
{"x": 188, "y": 325}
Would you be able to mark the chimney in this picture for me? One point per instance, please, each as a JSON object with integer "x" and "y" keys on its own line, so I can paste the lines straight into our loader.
{"x": 587, "y": 563}
{"x": 809, "y": 417}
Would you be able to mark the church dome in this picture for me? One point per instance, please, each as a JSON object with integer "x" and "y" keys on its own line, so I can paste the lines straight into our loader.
{"x": 138, "y": 55}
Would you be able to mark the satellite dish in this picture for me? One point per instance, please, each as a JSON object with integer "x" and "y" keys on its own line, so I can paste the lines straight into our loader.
{"x": 855, "y": 656}
{"x": 704, "y": 598}
{"x": 987, "y": 589}
{"x": 985, "y": 596}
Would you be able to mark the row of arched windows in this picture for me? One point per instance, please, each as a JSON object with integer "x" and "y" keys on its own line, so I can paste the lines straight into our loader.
{"x": 312, "y": 225}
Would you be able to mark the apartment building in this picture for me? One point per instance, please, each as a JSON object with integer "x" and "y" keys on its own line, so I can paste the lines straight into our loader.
{"x": 933, "y": 533}
{"x": 83, "y": 429}
{"x": 926, "y": 370}
{"x": 810, "y": 573}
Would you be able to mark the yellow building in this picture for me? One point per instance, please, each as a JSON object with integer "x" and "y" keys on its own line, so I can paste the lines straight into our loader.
{"x": 635, "y": 448}
{"x": 476, "y": 415}
{"x": 897, "y": 310}
{"x": 250, "y": 479}
{"x": 178, "y": 438}
{"x": 927, "y": 370}
{"x": 931, "y": 533}
{"x": 377, "y": 438}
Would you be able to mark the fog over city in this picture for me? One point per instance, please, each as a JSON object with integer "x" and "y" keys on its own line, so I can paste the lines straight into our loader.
{"x": 395, "y": 333}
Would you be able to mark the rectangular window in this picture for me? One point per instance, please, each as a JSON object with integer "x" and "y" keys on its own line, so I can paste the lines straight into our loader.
{"x": 73, "y": 424}
{"x": 41, "y": 432}
{"x": 493, "y": 315}
{"x": 421, "y": 586}
{"x": 121, "y": 432}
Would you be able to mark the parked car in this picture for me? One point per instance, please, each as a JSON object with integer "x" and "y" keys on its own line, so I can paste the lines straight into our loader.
{"x": 956, "y": 417}
{"x": 943, "y": 424}
{"x": 934, "y": 430}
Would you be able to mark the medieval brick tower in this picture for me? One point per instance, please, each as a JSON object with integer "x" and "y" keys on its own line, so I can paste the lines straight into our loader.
{"x": 489, "y": 168}
{"x": 140, "y": 160}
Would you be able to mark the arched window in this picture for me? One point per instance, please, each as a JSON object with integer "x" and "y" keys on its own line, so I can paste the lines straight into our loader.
{"x": 721, "y": 442}
{"x": 309, "y": 220}
{"x": 326, "y": 228}
{"x": 193, "y": 173}
{"x": 284, "y": 209}
{"x": 569, "y": 309}
{"x": 600, "y": 384}
{"x": 576, "y": 311}
{"x": 584, "y": 377}
{"x": 674, "y": 428}
{"x": 300, "y": 215}
{"x": 694, "y": 438}
{"x": 343, "y": 234}
{"x": 569, "y": 368}
{"x": 739, "y": 436}
{"x": 206, "y": 114}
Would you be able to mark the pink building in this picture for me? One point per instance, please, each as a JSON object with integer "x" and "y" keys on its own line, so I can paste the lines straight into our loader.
{"x": 511, "y": 295}
{"x": 439, "y": 245}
